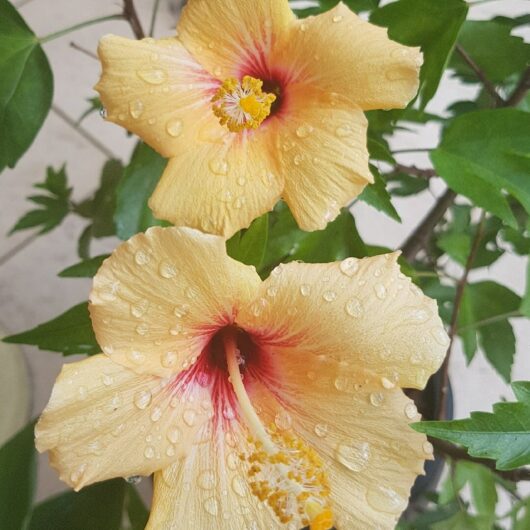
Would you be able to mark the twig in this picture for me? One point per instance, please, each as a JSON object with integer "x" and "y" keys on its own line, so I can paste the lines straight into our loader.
{"x": 458, "y": 453}
{"x": 416, "y": 171}
{"x": 153, "y": 17}
{"x": 491, "y": 320}
{"x": 17, "y": 248}
{"x": 420, "y": 237}
{"x": 76, "y": 46}
{"x": 129, "y": 13}
{"x": 488, "y": 85}
{"x": 460, "y": 288}
{"x": 520, "y": 90}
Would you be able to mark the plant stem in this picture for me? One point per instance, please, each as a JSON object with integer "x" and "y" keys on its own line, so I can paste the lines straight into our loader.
{"x": 412, "y": 150}
{"x": 81, "y": 25}
{"x": 488, "y": 85}
{"x": 416, "y": 171}
{"x": 130, "y": 14}
{"x": 460, "y": 288}
{"x": 153, "y": 17}
{"x": 520, "y": 90}
{"x": 457, "y": 453}
{"x": 90, "y": 54}
{"x": 491, "y": 320}
{"x": 420, "y": 237}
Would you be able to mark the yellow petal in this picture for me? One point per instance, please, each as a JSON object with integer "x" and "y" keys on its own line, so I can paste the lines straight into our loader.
{"x": 339, "y": 52}
{"x": 208, "y": 490}
{"x": 153, "y": 88}
{"x": 363, "y": 312}
{"x": 221, "y": 181}
{"x": 361, "y": 432}
{"x": 323, "y": 155}
{"x": 227, "y": 36}
{"x": 105, "y": 421}
{"x": 157, "y": 300}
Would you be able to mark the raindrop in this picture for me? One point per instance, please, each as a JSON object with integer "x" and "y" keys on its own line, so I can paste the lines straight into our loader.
{"x": 169, "y": 359}
{"x": 170, "y": 451}
{"x": 140, "y": 308}
{"x": 142, "y": 328}
{"x": 349, "y": 266}
{"x": 304, "y": 131}
{"x": 283, "y": 420}
{"x": 343, "y": 131}
{"x": 189, "y": 416}
{"x": 83, "y": 392}
{"x": 232, "y": 460}
{"x": 167, "y": 270}
{"x": 341, "y": 383}
{"x": 192, "y": 292}
{"x": 329, "y": 296}
{"x": 206, "y": 480}
{"x": 107, "y": 380}
{"x": 239, "y": 486}
{"x": 354, "y": 308}
{"x": 136, "y": 357}
{"x": 103, "y": 112}
{"x": 78, "y": 473}
{"x": 337, "y": 18}
{"x": 218, "y": 166}
{"x": 176, "y": 330}
{"x": 298, "y": 159}
{"x": 380, "y": 291}
{"x": 311, "y": 375}
{"x": 353, "y": 455}
{"x": 386, "y": 500}
{"x": 142, "y": 399}
{"x": 174, "y": 434}
{"x": 411, "y": 411}
{"x": 387, "y": 383}
{"x": 241, "y": 181}
{"x": 272, "y": 291}
{"x": 305, "y": 289}
{"x": 321, "y": 430}
{"x": 149, "y": 452}
{"x": 225, "y": 196}
{"x": 153, "y": 77}
{"x": 417, "y": 316}
{"x": 181, "y": 310}
{"x": 376, "y": 398}
{"x": 136, "y": 108}
{"x": 440, "y": 336}
{"x": 156, "y": 414}
{"x": 239, "y": 202}
{"x": 134, "y": 479}
{"x": 141, "y": 257}
{"x": 211, "y": 506}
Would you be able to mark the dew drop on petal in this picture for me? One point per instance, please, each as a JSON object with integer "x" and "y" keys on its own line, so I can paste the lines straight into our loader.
{"x": 133, "y": 479}
{"x": 174, "y": 434}
{"x": 156, "y": 414}
{"x": 142, "y": 399}
{"x": 142, "y": 258}
{"x": 168, "y": 359}
{"x": 139, "y": 308}
{"x": 103, "y": 112}
{"x": 380, "y": 291}
{"x": 218, "y": 166}
{"x": 411, "y": 411}
{"x": 149, "y": 452}
{"x": 167, "y": 270}
{"x": 82, "y": 391}
{"x": 211, "y": 506}
{"x": 337, "y": 18}
{"x": 107, "y": 380}
{"x": 386, "y": 383}
{"x": 136, "y": 108}
{"x": 329, "y": 296}
{"x": 386, "y": 500}
{"x": 189, "y": 416}
{"x": 142, "y": 329}
{"x": 232, "y": 460}
{"x": 354, "y": 308}
{"x": 136, "y": 357}
{"x": 152, "y": 76}
{"x": 353, "y": 455}
{"x": 376, "y": 398}
{"x": 283, "y": 420}
{"x": 343, "y": 131}
{"x": 440, "y": 336}
{"x": 272, "y": 291}
{"x": 321, "y": 430}
{"x": 417, "y": 316}
{"x": 206, "y": 480}
{"x": 349, "y": 266}
{"x": 239, "y": 486}
{"x": 174, "y": 127}
{"x": 305, "y": 289}
{"x": 304, "y": 131}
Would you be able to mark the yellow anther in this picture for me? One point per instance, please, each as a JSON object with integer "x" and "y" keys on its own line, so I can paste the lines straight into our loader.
{"x": 242, "y": 105}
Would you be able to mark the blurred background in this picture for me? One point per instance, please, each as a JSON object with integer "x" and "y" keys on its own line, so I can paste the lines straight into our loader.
{"x": 31, "y": 293}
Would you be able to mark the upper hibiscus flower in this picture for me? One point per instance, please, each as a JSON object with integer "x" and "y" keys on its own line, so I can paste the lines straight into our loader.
{"x": 256, "y": 404}
{"x": 251, "y": 104}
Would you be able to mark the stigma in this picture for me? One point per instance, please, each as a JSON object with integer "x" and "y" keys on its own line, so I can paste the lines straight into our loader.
{"x": 242, "y": 104}
{"x": 283, "y": 471}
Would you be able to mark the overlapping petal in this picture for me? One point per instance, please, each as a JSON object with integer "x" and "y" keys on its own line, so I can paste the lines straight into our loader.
{"x": 154, "y": 88}
{"x": 225, "y": 36}
{"x": 105, "y": 421}
{"x": 323, "y": 155}
{"x": 156, "y": 301}
{"x": 339, "y": 52}
{"x": 363, "y": 312}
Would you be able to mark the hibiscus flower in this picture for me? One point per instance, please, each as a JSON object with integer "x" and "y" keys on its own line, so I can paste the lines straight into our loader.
{"x": 257, "y": 404}
{"x": 251, "y": 104}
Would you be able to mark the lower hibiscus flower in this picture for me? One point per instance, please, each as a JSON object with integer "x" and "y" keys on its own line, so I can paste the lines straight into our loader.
{"x": 259, "y": 405}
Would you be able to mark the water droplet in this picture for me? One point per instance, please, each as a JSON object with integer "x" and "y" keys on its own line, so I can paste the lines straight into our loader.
{"x": 107, "y": 380}
{"x": 303, "y": 26}
{"x": 149, "y": 452}
{"x": 206, "y": 480}
{"x": 139, "y": 308}
{"x": 152, "y": 121}
{"x": 169, "y": 359}
{"x": 174, "y": 434}
{"x": 311, "y": 375}
{"x": 349, "y": 266}
{"x": 192, "y": 292}
{"x": 272, "y": 291}
{"x": 142, "y": 399}
{"x": 283, "y": 420}
{"x": 134, "y": 479}
{"x": 239, "y": 202}
{"x": 136, "y": 108}
{"x": 354, "y": 308}
{"x": 218, "y": 166}
{"x": 321, "y": 430}
{"x": 217, "y": 71}
{"x": 440, "y": 336}
{"x": 108, "y": 292}
{"x": 337, "y": 18}
{"x": 298, "y": 159}
{"x": 241, "y": 181}
{"x": 416, "y": 358}
{"x": 417, "y": 316}
{"x": 329, "y": 296}
{"x": 376, "y": 398}
{"x": 428, "y": 448}
{"x": 181, "y": 310}
{"x": 239, "y": 486}
{"x": 211, "y": 506}
{"x": 343, "y": 131}
{"x": 141, "y": 257}
{"x": 304, "y": 131}
{"x": 225, "y": 196}
{"x": 305, "y": 289}
{"x": 103, "y": 112}
{"x": 82, "y": 392}
{"x": 380, "y": 291}
{"x": 167, "y": 270}
{"x": 156, "y": 414}
{"x": 170, "y": 451}
{"x": 386, "y": 500}
{"x": 287, "y": 145}
{"x": 353, "y": 455}
{"x": 386, "y": 383}
{"x": 142, "y": 328}
{"x": 341, "y": 383}
{"x": 232, "y": 460}
{"x": 411, "y": 411}
{"x": 78, "y": 473}
{"x": 189, "y": 416}
{"x": 152, "y": 76}
{"x": 258, "y": 307}
{"x": 94, "y": 447}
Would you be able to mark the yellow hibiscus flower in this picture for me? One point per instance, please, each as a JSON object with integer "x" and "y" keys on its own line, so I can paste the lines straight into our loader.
{"x": 255, "y": 403}
{"x": 251, "y": 104}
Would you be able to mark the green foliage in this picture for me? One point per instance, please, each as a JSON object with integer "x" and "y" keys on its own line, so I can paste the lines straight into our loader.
{"x": 54, "y": 205}
{"x": 376, "y": 195}
{"x": 83, "y": 510}
{"x": 431, "y": 24}
{"x": 84, "y": 269}
{"x": 69, "y": 333}
{"x": 94, "y": 106}
{"x": 139, "y": 181}
{"x": 484, "y": 314}
{"x": 136, "y": 512}
{"x": 325, "y": 5}
{"x": 485, "y": 154}
{"x": 17, "y": 479}
{"x": 26, "y": 85}
{"x": 249, "y": 246}
{"x": 503, "y": 435}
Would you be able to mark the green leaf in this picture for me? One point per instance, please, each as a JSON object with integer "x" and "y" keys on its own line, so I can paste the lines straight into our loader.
{"x": 96, "y": 507}
{"x": 55, "y": 204}
{"x": 484, "y": 153}
{"x": 84, "y": 269}
{"x": 403, "y": 185}
{"x": 461, "y": 521}
{"x": 248, "y": 246}
{"x": 26, "y": 85}
{"x": 17, "y": 478}
{"x": 481, "y": 302}
{"x": 508, "y": 56}
{"x": 523, "y": 523}
{"x": 138, "y": 183}
{"x": 68, "y": 333}
{"x": 94, "y": 106}
{"x": 377, "y": 196}
{"x": 431, "y": 24}
{"x": 503, "y": 435}
{"x": 521, "y": 389}
{"x": 136, "y": 512}
{"x": 525, "y": 304}
{"x": 83, "y": 244}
